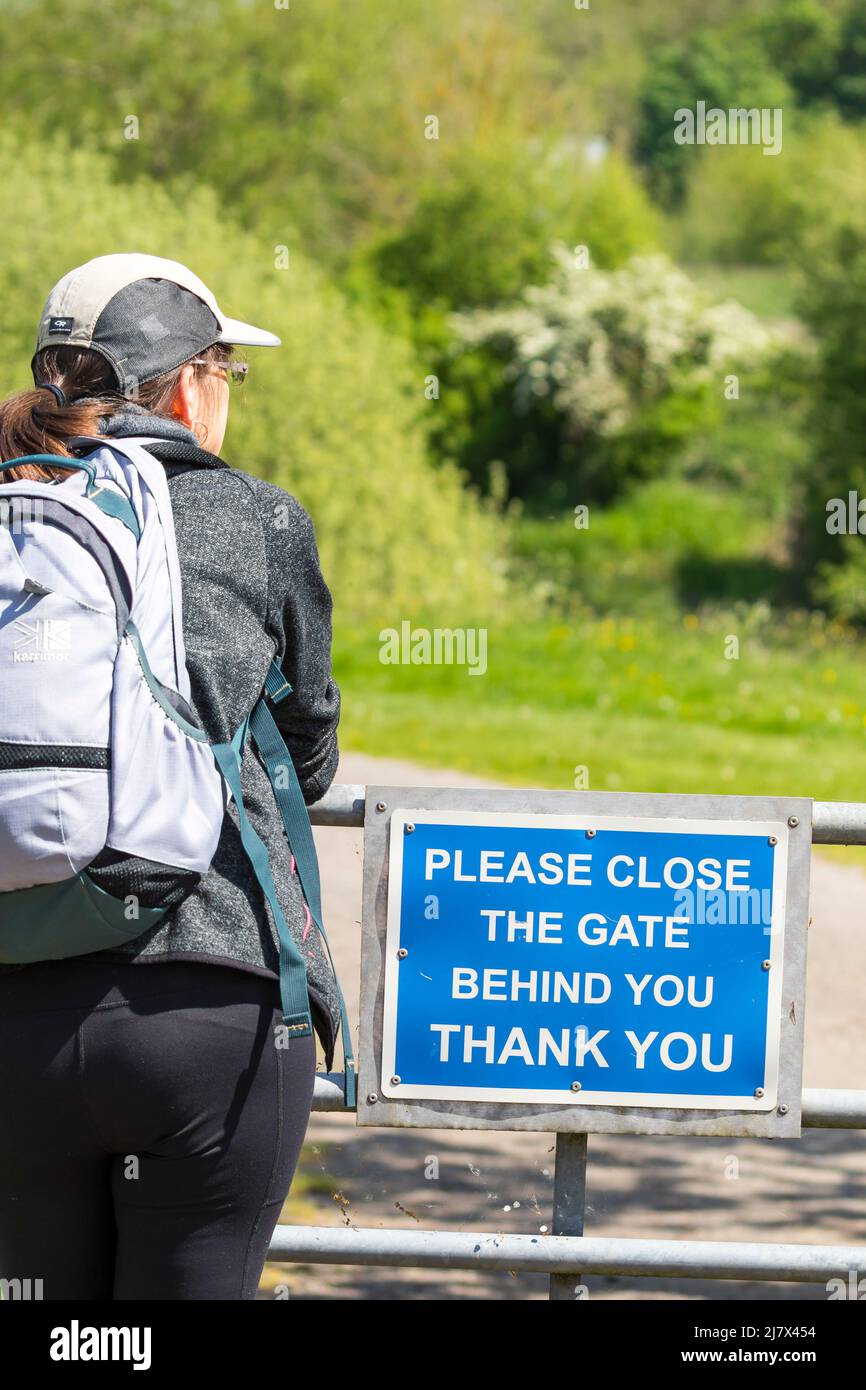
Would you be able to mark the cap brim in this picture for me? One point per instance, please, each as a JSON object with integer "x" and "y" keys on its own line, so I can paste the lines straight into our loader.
{"x": 245, "y": 335}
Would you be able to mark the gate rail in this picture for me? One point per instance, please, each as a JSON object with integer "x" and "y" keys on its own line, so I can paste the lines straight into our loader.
{"x": 566, "y": 1249}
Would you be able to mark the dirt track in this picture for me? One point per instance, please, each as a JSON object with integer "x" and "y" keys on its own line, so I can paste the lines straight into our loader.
{"x": 812, "y": 1189}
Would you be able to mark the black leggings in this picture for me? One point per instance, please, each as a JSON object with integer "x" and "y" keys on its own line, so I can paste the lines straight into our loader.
{"x": 150, "y": 1126}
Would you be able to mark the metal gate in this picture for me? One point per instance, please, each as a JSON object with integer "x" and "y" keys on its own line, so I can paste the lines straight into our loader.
{"x": 566, "y": 1250}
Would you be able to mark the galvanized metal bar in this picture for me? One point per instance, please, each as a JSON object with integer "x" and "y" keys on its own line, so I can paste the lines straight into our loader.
{"x": 822, "y": 1109}
{"x": 833, "y": 822}
{"x": 328, "y": 1091}
{"x": 342, "y": 804}
{"x": 557, "y": 1255}
{"x": 569, "y": 1206}
{"x": 839, "y": 823}
{"x": 834, "y": 1109}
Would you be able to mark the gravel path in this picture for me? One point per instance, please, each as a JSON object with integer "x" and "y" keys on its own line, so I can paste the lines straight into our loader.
{"x": 812, "y": 1189}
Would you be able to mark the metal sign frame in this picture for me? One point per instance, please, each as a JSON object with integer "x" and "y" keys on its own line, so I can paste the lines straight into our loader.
{"x": 774, "y": 1116}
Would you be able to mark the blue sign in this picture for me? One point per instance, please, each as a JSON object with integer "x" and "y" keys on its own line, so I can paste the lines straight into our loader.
{"x": 631, "y": 961}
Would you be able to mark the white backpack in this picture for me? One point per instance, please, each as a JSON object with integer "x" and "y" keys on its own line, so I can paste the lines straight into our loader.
{"x": 99, "y": 747}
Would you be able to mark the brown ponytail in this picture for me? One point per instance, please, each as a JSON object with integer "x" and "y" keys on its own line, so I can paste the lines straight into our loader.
{"x": 35, "y": 422}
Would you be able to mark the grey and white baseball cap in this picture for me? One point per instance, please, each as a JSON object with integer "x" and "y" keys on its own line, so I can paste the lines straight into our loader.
{"x": 145, "y": 314}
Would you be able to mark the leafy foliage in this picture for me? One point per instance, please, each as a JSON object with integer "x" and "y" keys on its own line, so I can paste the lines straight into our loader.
{"x": 829, "y": 561}
{"x": 257, "y": 127}
{"x": 483, "y": 231}
{"x": 724, "y": 70}
{"x": 612, "y": 368}
{"x": 336, "y": 416}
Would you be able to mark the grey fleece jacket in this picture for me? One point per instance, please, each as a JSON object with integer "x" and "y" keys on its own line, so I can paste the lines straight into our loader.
{"x": 252, "y": 591}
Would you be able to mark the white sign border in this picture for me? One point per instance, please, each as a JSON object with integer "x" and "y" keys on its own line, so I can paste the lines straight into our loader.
{"x": 400, "y": 816}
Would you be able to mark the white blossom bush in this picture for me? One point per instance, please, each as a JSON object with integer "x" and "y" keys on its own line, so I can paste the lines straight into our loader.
{"x": 601, "y": 346}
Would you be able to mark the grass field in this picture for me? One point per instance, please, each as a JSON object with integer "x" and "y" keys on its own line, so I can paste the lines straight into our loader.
{"x": 741, "y": 702}
{"x": 769, "y": 291}
{"x": 670, "y": 659}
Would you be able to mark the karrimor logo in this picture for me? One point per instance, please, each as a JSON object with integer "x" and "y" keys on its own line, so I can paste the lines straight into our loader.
{"x": 77, "y": 1343}
{"x": 45, "y": 639}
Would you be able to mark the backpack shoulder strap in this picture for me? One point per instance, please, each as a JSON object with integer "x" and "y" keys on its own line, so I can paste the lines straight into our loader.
{"x": 148, "y": 475}
{"x": 296, "y": 820}
{"x": 293, "y": 983}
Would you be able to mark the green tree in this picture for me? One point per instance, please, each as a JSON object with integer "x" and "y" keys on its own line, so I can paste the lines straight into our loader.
{"x": 308, "y": 120}
{"x": 802, "y": 40}
{"x": 605, "y": 374}
{"x": 337, "y": 416}
{"x": 828, "y": 560}
{"x": 850, "y": 83}
{"x": 723, "y": 68}
{"x": 476, "y": 237}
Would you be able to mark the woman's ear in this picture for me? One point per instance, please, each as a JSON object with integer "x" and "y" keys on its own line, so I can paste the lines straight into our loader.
{"x": 185, "y": 401}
